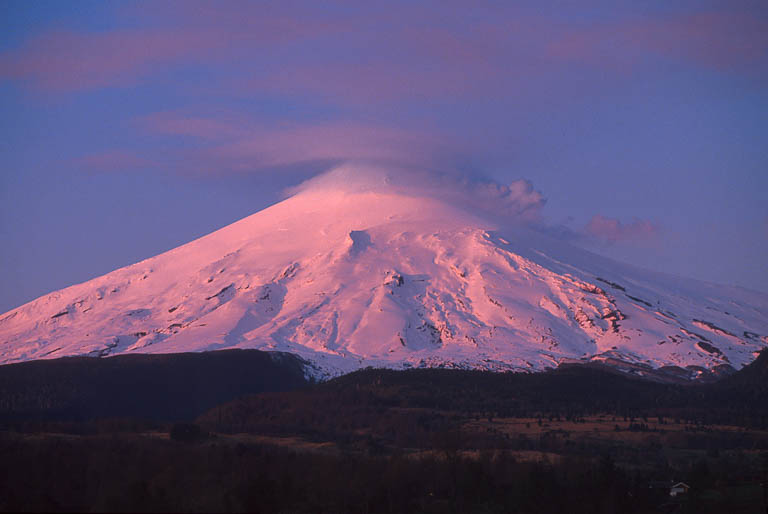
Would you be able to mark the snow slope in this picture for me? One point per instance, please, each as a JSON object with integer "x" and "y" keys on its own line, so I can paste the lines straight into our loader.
{"x": 348, "y": 277}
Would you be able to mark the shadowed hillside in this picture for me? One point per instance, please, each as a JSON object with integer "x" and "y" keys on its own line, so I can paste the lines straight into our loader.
{"x": 168, "y": 387}
{"x": 379, "y": 397}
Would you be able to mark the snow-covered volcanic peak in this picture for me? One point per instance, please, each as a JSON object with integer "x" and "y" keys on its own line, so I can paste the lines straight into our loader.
{"x": 350, "y": 273}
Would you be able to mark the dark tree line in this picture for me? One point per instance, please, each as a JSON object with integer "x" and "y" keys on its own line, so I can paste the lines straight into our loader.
{"x": 135, "y": 474}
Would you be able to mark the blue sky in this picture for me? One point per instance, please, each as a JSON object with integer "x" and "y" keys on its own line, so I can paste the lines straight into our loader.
{"x": 129, "y": 128}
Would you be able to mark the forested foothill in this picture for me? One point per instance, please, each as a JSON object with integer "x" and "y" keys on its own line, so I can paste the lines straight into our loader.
{"x": 163, "y": 387}
{"x": 576, "y": 439}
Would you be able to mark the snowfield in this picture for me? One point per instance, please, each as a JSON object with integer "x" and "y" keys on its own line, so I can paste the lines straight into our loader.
{"x": 355, "y": 277}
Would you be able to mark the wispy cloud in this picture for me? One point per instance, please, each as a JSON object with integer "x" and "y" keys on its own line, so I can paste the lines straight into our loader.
{"x": 113, "y": 160}
{"x": 331, "y": 141}
{"x": 66, "y": 60}
{"x": 227, "y": 126}
{"x": 610, "y": 230}
{"x": 226, "y": 143}
{"x": 359, "y": 54}
{"x": 516, "y": 202}
{"x": 715, "y": 40}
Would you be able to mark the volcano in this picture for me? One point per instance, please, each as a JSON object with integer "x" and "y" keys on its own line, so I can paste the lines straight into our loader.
{"x": 348, "y": 276}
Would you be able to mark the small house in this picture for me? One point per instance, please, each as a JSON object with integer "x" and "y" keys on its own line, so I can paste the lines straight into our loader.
{"x": 678, "y": 489}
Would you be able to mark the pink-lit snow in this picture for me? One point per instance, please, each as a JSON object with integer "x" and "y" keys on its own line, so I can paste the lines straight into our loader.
{"x": 349, "y": 275}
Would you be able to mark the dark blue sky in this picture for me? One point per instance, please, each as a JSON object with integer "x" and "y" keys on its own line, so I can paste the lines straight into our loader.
{"x": 129, "y": 128}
